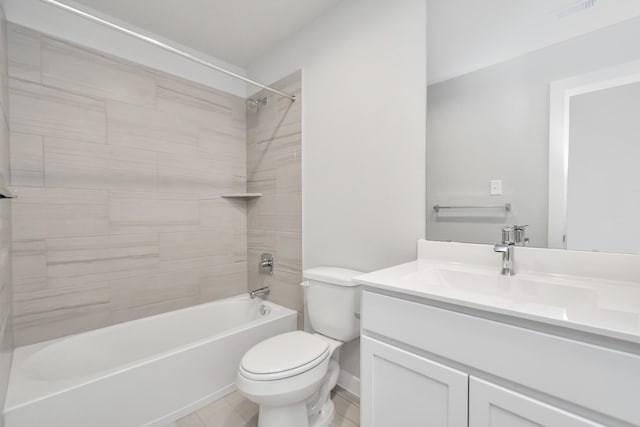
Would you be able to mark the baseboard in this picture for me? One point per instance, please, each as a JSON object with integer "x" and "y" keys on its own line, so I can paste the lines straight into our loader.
{"x": 349, "y": 382}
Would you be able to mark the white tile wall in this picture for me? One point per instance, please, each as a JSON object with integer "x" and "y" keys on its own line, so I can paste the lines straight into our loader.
{"x": 27, "y": 157}
{"x": 6, "y": 286}
{"x": 118, "y": 166}
{"x": 274, "y": 168}
{"x": 24, "y": 54}
{"x": 47, "y": 111}
{"x": 111, "y": 161}
{"x": 80, "y": 71}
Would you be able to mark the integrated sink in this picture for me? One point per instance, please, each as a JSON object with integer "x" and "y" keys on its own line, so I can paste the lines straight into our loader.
{"x": 554, "y": 297}
{"x": 465, "y": 275}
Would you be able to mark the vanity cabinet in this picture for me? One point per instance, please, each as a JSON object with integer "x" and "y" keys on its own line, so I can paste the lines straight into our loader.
{"x": 494, "y": 406}
{"x": 404, "y": 389}
{"x": 430, "y": 366}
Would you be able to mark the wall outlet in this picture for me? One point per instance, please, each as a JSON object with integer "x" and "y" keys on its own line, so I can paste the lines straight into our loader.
{"x": 496, "y": 187}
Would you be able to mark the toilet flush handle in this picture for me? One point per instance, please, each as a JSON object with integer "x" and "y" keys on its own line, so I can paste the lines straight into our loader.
{"x": 305, "y": 284}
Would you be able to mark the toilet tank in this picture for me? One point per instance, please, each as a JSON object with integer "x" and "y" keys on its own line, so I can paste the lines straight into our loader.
{"x": 333, "y": 302}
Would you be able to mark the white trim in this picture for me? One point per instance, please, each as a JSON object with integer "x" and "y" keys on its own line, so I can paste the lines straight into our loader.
{"x": 349, "y": 382}
{"x": 561, "y": 92}
{"x": 64, "y": 25}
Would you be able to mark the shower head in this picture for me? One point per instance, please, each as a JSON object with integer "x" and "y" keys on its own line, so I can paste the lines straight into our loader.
{"x": 256, "y": 103}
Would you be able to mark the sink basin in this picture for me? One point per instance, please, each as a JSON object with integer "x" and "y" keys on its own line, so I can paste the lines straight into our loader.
{"x": 558, "y": 298}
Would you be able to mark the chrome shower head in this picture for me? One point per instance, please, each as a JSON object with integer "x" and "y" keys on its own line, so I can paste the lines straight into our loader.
{"x": 255, "y": 103}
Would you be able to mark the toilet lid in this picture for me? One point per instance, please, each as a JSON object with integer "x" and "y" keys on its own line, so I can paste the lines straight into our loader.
{"x": 285, "y": 353}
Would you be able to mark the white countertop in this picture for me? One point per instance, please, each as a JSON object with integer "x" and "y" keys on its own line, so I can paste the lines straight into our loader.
{"x": 596, "y": 305}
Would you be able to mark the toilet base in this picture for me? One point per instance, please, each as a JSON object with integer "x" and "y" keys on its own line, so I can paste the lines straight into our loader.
{"x": 325, "y": 417}
{"x": 283, "y": 416}
{"x": 295, "y": 416}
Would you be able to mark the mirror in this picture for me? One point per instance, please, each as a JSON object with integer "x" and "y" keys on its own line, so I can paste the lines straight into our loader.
{"x": 533, "y": 118}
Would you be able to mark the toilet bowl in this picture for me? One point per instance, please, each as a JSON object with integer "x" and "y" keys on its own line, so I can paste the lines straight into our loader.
{"x": 290, "y": 376}
{"x": 288, "y": 384}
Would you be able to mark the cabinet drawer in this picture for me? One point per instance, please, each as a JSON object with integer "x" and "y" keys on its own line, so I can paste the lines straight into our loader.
{"x": 494, "y": 406}
{"x": 597, "y": 378}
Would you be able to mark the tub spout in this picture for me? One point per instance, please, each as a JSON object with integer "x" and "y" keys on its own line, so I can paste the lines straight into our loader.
{"x": 261, "y": 292}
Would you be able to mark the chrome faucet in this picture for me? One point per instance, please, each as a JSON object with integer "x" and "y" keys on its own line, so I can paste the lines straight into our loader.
{"x": 506, "y": 248}
{"x": 261, "y": 292}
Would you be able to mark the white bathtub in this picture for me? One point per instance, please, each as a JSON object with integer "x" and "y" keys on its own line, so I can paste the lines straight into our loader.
{"x": 147, "y": 372}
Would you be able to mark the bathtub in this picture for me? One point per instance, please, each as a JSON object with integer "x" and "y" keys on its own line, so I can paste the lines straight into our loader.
{"x": 146, "y": 372}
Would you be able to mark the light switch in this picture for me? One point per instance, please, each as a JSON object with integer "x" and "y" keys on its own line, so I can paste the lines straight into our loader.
{"x": 496, "y": 187}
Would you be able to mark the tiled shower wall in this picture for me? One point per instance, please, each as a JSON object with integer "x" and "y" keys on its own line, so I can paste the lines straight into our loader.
{"x": 6, "y": 344}
{"x": 111, "y": 162}
{"x": 274, "y": 168}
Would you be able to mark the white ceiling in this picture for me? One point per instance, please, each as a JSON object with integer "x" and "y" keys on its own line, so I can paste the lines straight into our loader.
{"x": 467, "y": 35}
{"x": 236, "y": 31}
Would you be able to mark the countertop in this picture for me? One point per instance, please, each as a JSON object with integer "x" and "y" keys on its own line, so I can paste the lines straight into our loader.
{"x": 609, "y": 308}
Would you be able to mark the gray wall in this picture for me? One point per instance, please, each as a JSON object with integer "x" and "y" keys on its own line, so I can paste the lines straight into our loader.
{"x": 494, "y": 124}
{"x": 604, "y": 178}
{"x": 6, "y": 332}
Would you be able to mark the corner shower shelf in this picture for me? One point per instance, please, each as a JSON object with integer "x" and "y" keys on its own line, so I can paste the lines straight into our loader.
{"x": 242, "y": 196}
{"x": 235, "y": 196}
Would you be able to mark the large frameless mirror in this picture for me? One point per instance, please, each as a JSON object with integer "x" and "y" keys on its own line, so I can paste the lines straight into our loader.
{"x": 534, "y": 119}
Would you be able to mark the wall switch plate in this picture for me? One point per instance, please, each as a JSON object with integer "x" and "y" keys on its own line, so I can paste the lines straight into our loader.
{"x": 496, "y": 187}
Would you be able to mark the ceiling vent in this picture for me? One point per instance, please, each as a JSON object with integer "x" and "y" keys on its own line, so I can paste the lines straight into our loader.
{"x": 575, "y": 8}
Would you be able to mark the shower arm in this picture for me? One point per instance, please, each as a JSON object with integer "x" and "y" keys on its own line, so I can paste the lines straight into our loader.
{"x": 165, "y": 47}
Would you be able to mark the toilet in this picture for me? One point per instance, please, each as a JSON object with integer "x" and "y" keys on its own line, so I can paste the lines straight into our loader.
{"x": 290, "y": 376}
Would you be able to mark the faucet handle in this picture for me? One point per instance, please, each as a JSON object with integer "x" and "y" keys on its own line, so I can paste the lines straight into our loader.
{"x": 266, "y": 263}
{"x": 509, "y": 235}
{"x": 520, "y": 234}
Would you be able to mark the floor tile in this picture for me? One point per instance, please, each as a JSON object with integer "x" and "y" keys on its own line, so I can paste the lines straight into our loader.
{"x": 234, "y": 410}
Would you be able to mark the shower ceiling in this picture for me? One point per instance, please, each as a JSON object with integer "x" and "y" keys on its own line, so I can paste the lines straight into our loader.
{"x": 236, "y": 31}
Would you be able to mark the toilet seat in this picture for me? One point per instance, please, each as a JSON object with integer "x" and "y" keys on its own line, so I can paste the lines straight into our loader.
{"x": 281, "y": 381}
{"x": 284, "y": 356}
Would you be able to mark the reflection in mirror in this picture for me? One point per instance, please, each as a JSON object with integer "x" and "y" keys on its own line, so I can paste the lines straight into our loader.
{"x": 539, "y": 126}
{"x": 594, "y": 182}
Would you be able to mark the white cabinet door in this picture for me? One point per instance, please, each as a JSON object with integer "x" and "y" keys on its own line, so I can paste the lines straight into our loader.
{"x": 401, "y": 389}
{"x": 494, "y": 406}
